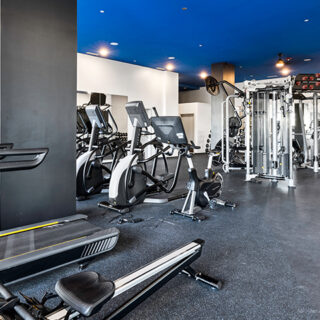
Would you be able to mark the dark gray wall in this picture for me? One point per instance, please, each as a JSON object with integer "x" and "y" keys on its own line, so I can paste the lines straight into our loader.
{"x": 38, "y": 98}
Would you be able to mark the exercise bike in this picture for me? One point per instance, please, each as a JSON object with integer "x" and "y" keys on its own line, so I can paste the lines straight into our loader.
{"x": 86, "y": 293}
{"x": 201, "y": 192}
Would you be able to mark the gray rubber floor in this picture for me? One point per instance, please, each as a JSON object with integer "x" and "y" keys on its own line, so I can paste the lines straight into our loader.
{"x": 267, "y": 252}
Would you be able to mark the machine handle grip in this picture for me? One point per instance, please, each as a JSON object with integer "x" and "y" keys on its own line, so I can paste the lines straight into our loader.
{"x": 39, "y": 155}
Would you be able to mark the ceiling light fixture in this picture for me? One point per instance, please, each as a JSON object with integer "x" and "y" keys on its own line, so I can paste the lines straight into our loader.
{"x": 307, "y": 60}
{"x": 200, "y": 45}
{"x": 169, "y": 66}
{"x": 114, "y": 43}
{"x": 103, "y": 52}
{"x": 280, "y": 63}
{"x": 306, "y": 20}
{"x": 203, "y": 74}
{"x": 101, "y": 11}
{"x": 285, "y": 71}
{"x": 171, "y": 58}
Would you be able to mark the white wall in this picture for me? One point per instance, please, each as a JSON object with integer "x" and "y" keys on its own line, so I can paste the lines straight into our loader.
{"x": 200, "y": 95}
{"x": 202, "y": 121}
{"x": 155, "y": 88}
{"x": 119, "y": 113}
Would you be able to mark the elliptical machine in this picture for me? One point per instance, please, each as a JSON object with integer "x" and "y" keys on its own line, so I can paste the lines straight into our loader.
{"x": 95, "y": 166}
{"x": 131, "y": 181}
{"x": 201, "y": 192}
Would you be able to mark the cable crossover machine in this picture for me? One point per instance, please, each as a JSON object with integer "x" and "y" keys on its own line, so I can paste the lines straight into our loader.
{"x": 268, "y": 120}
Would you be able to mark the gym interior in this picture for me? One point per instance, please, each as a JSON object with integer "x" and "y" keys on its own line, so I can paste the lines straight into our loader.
{"x": 159, "y": 159}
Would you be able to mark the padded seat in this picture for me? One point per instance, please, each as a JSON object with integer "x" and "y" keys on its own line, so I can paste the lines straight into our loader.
{"x": 85, "y": 292}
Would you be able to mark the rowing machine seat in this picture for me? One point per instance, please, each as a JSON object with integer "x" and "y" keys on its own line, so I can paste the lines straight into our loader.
{"x": 85, "y": 292}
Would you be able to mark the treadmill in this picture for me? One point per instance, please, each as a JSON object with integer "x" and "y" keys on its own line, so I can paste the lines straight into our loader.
{"x": 38, "y": 248}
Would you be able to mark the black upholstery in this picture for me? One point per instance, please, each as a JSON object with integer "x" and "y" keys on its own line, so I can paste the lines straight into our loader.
{"x": 85, "y": 292}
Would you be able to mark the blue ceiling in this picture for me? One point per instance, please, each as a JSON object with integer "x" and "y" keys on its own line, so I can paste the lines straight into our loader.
{"x": 247, "y": 33}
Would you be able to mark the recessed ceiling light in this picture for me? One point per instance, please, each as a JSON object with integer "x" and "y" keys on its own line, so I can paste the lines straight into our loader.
{"x": 103, "y": 52}
{"x": 171, "y": 58}
{"x": 285, "y": 71}
{"x": 92, "y": 53}
{"x": 184, "y": 8}
{"x": 169, "y": 66}
{"x": 114, "y": 43}
{"x": 306, "y": 20}
{"x": 307, "y": 60}
{"x": 200, "y": 45}
{"x": 101, "y": 11}
{"x": 203, "y": 74}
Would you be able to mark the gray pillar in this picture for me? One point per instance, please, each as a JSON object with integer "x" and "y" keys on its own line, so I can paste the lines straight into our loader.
{"x": 221, "y": 71}
{"x": 37, "y": 107}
